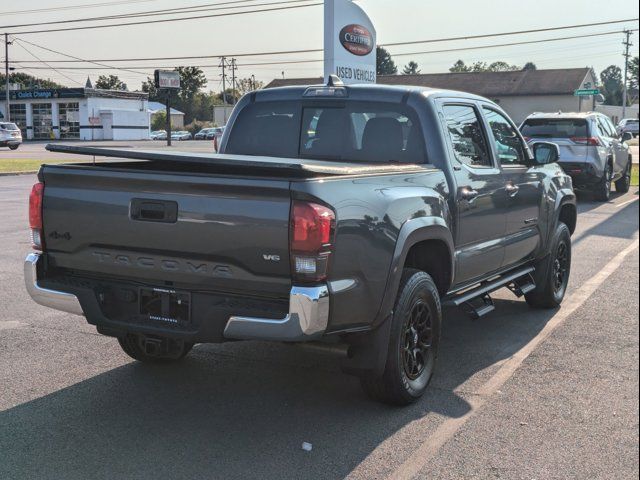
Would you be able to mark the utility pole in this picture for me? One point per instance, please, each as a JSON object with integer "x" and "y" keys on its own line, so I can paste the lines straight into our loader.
{"x": 627, "y": 43}
{"x": 233, "y": 78}
{"x": 6, "y": 75}
{"x": 223, "y": 64}
{"x": 253, "y": 82}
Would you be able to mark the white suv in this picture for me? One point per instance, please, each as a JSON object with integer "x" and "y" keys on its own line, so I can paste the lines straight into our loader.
{"x": 10, "y": 135}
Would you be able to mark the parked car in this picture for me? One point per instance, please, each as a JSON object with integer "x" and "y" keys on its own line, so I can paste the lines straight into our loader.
{"x": 10, "y": 135}
{"x": 181, "y": 135}
{"x": 333, "y": 213}
{"x": 203, "y": 134}
{"x": 628, "y": 125}
{"x": 591, "y": 150}
{"x": 215, "y": 132}
{"x": 158, "y": 135}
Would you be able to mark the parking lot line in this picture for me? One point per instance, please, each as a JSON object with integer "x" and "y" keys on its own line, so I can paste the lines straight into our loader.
{"x": 626, "y": 203}
{"x": 427, "y": 450}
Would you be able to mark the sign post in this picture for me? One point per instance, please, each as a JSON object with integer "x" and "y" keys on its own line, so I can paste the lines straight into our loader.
{"x": 349, "y": 43}
{"x": 167, "y": 81}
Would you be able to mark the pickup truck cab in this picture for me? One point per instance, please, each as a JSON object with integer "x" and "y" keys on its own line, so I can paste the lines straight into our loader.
{"x": 333, "y": 212}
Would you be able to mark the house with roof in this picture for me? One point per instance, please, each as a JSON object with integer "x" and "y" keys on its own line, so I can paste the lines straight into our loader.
{"x": 177, "y": 117}
{"x": 519, "y": 93}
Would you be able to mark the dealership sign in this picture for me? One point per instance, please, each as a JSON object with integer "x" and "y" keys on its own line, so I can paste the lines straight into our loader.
{"x": 349, "y": 43}
{"x": 167, "y": 79}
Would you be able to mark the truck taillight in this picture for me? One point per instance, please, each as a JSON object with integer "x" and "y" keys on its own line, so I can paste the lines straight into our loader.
{"x": 35, "y": 215}
{"x": 312, "y": 231}
{"x": 591, "y": 141}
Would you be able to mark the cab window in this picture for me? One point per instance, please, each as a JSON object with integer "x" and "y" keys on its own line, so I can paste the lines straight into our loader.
{"x": 509, "y": 146}
{"x": 467, "y": 136}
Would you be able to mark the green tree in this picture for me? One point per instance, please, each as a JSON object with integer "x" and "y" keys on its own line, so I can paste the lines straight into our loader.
{"x": 410, "y": 68}
{"x": 459, "y": 67}
{"x": 498, "y": 66}
{"x": 502, "y": 67}
{"x": 27, "y": 81}
{"x": 246, "y": 85}
{"x": 159, "y": 121}
{"x": 611, "y": 80}
{"x": 149, "y": 86}
{"x": 192, "y": 79}
{"x": 384, "y": 63}
{"x": 111, "y": 82}
{"x": 633, "y": 80}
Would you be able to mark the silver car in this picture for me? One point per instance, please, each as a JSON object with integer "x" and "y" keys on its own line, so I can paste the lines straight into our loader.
{"x": 591, "y": 150}
{"x": 628, "y": 125}
{"x": 10, "y": 135}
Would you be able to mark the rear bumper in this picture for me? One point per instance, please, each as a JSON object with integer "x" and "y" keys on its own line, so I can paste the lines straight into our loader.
{"x": 307, "y": 317}
{"x": 67, "y": 302}
{"x": 6, "y": 143}
{"x": 583, "y": 175}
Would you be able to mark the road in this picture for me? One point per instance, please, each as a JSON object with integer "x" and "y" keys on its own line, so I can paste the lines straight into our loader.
{"x": 520, "y": 394}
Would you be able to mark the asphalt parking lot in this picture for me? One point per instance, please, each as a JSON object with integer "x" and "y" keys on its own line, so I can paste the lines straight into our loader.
{"x": 520, "y": 394}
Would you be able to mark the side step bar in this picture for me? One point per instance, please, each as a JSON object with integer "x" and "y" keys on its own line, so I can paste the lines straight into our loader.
{"x": 477, "y": 300}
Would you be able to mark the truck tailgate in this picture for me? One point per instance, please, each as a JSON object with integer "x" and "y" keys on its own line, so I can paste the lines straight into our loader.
{"x": 206, "y": 232}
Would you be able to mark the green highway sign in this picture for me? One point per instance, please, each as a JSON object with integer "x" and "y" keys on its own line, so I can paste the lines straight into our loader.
{"x": 585, "y": 92}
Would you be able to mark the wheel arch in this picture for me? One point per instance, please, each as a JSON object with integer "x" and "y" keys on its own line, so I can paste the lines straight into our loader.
{"x": 418, "y": 240}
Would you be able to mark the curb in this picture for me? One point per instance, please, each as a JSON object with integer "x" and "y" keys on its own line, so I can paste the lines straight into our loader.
{"x": 9, "y": 174}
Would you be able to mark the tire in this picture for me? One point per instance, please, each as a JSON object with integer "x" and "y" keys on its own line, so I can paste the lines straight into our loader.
{"x": 168, "y": 350}
{"x": 623, "y": 184}
{"x": 552, "y": 272}
{"x": 603, "y": 188}
{"x": 416, "y": 320}
{"x": 13, "y": 147}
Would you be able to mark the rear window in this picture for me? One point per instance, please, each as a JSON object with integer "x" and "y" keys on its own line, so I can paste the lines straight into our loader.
{"x": 352, "y": 132}
{"x": 8, "y": 126}
{"x": 554, "y": 128}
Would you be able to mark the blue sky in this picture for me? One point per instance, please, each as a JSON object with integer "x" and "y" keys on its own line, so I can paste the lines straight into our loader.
{"x": 395, "y": 20}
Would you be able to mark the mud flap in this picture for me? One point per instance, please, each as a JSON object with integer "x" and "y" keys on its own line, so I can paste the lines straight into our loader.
{"x": 367, "y": 354}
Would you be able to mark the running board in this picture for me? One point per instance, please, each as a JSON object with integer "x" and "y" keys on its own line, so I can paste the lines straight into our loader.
{"x": 477, "y": 300}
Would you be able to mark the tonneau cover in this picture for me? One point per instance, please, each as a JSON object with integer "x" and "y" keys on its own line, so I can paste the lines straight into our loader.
{"x": 290, "y": 166}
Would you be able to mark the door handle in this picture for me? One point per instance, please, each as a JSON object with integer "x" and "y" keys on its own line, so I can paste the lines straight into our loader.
{"x": 468, "y": 193}
{"x": 512, "y": 189}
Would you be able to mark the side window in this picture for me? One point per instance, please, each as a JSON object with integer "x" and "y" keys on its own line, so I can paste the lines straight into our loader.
{"x": 611, "y": 127}
{"x": 509, "y": 146}
{"x": 467, "y": 136}
{"x": 605, "y": 131}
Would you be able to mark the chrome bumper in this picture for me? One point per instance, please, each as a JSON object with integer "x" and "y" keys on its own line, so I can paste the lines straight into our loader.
{"x": 49, "y": 298}
{"x": 307, "y": 319}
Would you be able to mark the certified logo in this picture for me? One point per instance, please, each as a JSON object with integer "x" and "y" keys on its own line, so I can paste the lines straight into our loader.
{"x": 357, "y": 40}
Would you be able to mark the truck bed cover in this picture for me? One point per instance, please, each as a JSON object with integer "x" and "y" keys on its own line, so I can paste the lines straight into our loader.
{"x": 290, "y": 166}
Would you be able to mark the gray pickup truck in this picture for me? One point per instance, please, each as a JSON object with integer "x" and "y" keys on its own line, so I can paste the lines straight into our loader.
{"x": 333, "y": 213}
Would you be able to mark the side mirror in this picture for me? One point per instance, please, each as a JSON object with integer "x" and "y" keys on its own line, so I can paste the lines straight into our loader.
{"x": 545, "y": 153}
{"x": 626, "y": 136}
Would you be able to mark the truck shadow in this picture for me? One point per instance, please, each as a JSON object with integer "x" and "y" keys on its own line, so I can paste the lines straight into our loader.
{"x": 242, "y": 410}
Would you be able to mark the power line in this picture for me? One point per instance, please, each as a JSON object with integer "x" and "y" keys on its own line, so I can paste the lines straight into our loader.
{"x": 519, "y": 32}
{"x": 207, "y": 7}
{"x": 481, "y": 47}
{"x": 166, "y": 20}
{"x": 73, "y": 7}
{"x": 78, "y": 59}
{"x": 203, "y": 57}
{"x": 38, "y": 58}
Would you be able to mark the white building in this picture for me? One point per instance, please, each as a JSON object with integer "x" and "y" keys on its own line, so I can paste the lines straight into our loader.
{"x": 78, "y": 113}
{"x": 519, "y": 93}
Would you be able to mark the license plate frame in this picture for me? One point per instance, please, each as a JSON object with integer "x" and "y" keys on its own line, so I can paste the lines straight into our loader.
{"x": 165, "y": 305}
